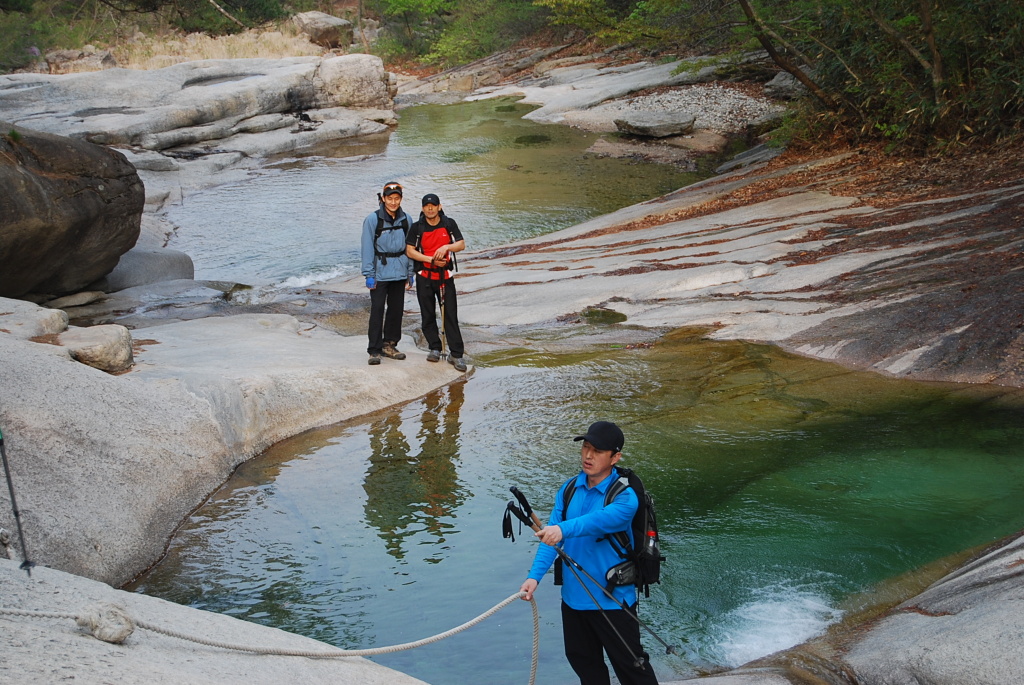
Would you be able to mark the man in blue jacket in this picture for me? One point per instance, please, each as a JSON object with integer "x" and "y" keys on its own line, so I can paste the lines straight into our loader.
{"x": 592, "y": 622}
{"x": 388, "y": 272}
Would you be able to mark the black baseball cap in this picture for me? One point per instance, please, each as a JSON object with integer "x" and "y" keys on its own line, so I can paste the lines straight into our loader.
{"x": 604, "y": 435}
{"x": 431, "y": 199}
{"x": 392, "y": 188}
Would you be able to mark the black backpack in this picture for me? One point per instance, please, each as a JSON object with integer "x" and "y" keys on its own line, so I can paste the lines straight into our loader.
{"x": 641, "y": 564}
{"x": 403, "y": 225}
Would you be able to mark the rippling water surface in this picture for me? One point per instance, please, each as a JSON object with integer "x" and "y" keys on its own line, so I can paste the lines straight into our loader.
{"x": 785, "y": 487}
{"x": 502, "y": 178}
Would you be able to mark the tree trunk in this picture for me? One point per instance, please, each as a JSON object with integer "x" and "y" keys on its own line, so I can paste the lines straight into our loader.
{"x": 783, "y": 61}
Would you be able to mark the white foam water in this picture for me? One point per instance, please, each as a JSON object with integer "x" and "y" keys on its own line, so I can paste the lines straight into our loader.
{"x": 316, "y": 277}
{"x": 774, "y": 618}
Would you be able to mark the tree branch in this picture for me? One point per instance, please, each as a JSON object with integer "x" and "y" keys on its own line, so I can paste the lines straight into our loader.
{"x": 782, "y": 60}
{"x": 224, "y": 12}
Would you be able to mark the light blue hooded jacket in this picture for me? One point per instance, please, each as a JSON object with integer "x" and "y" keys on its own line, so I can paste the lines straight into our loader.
{"x": 391, "y": 241}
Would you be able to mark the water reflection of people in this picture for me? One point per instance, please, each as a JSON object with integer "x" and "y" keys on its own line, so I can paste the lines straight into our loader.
{"x": 412, "y": 491}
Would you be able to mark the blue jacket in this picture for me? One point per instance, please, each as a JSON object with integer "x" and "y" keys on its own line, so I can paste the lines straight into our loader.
{"x": 392, "y": 240}
{"x": 586, "y": 521}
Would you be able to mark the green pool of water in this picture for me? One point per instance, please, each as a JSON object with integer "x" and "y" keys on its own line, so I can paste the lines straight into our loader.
{"x": 784, "y": 488}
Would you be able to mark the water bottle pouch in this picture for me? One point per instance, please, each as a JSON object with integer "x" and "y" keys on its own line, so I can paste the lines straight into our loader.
{"x": 622, "y": 574}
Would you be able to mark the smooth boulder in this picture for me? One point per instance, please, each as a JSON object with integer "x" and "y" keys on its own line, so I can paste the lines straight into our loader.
{"x": 656, "y": 124}
{"x": 145, "y": 265}
{"x": 324, "y": 29}
{"x": 70, "y": 210}
{"x": 106, "y": 347}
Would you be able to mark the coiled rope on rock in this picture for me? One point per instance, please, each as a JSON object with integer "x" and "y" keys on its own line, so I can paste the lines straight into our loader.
{"x": 111, "y": 623}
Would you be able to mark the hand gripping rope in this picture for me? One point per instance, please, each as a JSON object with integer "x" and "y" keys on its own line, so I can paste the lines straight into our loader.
{"x": 524, "y": 512}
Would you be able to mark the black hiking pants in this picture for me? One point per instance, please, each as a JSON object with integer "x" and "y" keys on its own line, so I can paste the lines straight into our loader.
{"x": 428, "y": 292}
{"x": 387, "y": 304}
{"x": 587, "y": 634}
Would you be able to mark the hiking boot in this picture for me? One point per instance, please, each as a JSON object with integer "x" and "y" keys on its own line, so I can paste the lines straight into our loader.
{"x": 391, "y": 352}
{"x": 434, "y": 356}
{"x": 373, "y": 360}
{"x": 458, "y": 363}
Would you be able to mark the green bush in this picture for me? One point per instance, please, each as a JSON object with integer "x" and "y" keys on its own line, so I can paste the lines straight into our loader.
{"x": 452, "y": 32}
{"x": 481, "y": 27}
{"x": 19, "y": 42}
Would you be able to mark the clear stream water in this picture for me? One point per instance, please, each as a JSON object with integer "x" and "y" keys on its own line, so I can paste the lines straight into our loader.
{"x": 787, "y": 489}
{"x": 500, "y": 177}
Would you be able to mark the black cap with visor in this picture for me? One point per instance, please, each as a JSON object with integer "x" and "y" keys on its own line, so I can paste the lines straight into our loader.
{"x": 604, "y": 435}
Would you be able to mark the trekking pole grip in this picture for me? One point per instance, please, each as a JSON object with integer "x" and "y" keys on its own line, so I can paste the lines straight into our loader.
{"x": 525, "y": 504}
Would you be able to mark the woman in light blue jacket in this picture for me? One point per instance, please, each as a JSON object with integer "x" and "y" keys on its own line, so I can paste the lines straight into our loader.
{"x": 388, "y": 272}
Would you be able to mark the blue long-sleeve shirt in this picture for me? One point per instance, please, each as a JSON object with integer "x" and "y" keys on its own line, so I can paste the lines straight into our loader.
{"x": 392, "y": 240}
{"x": 583, "y": 525}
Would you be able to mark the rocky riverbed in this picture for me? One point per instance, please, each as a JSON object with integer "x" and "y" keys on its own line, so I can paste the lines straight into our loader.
{"x": 842, "y": 256}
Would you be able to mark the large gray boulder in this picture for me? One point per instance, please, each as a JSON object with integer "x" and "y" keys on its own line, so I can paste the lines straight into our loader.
{"x": 68, "y": 211}
{"x": 324, "y": 29}
{"x": 192, "y": 103}
{"x": 656, "y": 124}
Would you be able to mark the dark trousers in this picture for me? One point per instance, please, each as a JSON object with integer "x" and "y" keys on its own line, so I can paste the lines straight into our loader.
{"x": 587, "y": 633}
{"x": 428, "y": 292}
{"x": 386, "y": 326}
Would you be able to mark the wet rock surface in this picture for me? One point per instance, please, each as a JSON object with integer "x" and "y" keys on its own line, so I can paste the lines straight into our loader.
{"x": 926, "y": 288}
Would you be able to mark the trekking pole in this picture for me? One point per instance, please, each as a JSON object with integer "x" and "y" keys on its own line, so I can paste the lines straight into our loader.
{"x": 26, "y": 564}
{"x": 444, "y": 338}
{"x": 533, "y": 522}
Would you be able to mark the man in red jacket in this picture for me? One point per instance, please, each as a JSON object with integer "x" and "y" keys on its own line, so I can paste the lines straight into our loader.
{"x": 432, "y": 243}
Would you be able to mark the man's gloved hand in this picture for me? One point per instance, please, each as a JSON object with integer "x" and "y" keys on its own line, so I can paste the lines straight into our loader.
{"x": 371, "y": 282}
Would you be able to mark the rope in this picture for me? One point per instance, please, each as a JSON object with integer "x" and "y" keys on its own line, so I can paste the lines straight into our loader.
{"x": 110, "y": 623}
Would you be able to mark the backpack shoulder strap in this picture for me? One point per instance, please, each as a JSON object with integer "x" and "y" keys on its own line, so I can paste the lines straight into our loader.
{"x": 617, "y": 486}
{"x": 568, "y": 491}
{"x": 404, "y": 223}
{"x": 620, "y": 540}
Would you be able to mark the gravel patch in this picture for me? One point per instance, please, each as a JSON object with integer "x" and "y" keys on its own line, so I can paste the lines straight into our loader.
{"x": 717, "y": 107}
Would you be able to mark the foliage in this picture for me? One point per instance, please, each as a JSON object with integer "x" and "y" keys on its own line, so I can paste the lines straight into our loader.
{"x": 482, "y": 27}
{"x": 915, "y": 72}
{"x": 451, "y": 32}
{"x": 409, "y": 26}
{"x": 15, "y": 5}
{"x": 18, "y": 46}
